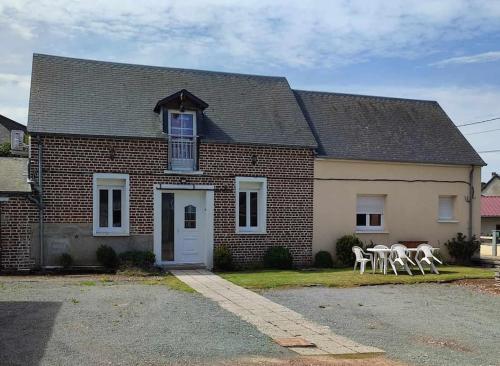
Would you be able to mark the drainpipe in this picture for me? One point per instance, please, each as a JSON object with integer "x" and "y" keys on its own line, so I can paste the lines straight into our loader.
{"x": 40, "y": 200}
{"x": 471, "y": 197}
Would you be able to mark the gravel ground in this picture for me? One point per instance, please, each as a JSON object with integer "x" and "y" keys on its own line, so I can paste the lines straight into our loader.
{"x": 53, "y": 323}
{"x": 427, "y": 324}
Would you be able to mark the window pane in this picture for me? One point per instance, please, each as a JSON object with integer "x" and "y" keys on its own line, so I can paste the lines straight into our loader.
{"x": 117, "y": 208}
{"x": 253, "y": 209}
{"x": 243, "y": 209}
{"x": 167, "y": 226}
{"x": 190, "y": 217}
{"x": 360, "y": 220}
{"x": 181, "y": 124}
{"x": 375, "y": 219}
{"x": 103, "y": 208}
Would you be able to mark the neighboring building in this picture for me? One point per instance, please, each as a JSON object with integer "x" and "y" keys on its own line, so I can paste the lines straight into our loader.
{"x": 490, "y": 214}
{"x": 389, "y": 170}
{"x": 492, "y": 187}
{"x": 18, "y": 216}
{"x": 6, "y": 126}
{"x": 180, "y": 161}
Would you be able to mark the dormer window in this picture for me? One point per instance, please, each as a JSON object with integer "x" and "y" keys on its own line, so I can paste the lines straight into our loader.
{"x": 181, "y": 124}
{"x": 179, "y": 113}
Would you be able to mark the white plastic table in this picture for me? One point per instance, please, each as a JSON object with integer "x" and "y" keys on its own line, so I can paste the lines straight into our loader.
{"x": 383, "y": 253}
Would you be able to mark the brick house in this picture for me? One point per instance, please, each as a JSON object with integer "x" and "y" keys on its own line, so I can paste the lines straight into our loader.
{"x": 180, "y": 161}
{"x": 170, "y": 160}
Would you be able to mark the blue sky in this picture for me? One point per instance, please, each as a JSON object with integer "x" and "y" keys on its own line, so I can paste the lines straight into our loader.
{"x": 447, "y": 50}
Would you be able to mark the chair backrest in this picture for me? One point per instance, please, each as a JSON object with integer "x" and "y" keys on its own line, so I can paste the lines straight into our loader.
{"x": 380, "y": 246}
{"x": 400, "y": 250}
{"x": 426, "y": 249}
{"x": 358, "y": 252}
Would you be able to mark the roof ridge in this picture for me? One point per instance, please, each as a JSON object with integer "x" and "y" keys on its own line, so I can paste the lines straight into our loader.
{"x": 364, "y": 96}
{"x": 141, "y": 66}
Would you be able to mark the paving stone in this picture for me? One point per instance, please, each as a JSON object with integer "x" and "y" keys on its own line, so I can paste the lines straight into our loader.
{"x": 274, "y": 320}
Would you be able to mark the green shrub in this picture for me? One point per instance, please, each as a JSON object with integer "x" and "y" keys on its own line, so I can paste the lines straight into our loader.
{"x": 107, "y": 257}
{"x": 462, "y": 249}
{"x": 223, "y": 258}
{"x": 323, "y": 259}
{"x": 278, "y": 257}
{"x": 344, "y": 249}
{"x": 65, "y": 260}
{"x": 5, "y": 149}
{"x": 137, "y": 258}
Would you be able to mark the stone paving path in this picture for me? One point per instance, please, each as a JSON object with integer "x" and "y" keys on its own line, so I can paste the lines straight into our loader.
{"x": 270, "y": 318}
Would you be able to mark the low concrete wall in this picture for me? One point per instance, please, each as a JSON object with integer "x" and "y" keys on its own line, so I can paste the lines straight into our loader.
{"x": 78, "y": 241}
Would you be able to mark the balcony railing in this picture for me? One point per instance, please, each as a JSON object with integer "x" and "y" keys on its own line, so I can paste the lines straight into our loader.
{"x": 182, "y": 153}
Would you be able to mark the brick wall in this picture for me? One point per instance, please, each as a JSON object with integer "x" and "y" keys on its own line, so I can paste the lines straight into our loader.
{"x": 17, "y": 218}
{"x": 69, "y": 163}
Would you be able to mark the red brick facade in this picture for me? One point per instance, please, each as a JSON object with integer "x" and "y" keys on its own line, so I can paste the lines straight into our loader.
{"x": 17, "y": 217}
{"x": 69, "y": 163}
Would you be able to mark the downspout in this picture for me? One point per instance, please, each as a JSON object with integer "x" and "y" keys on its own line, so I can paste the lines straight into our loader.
{"x": 40, "y": 199}
{"x": 471, "y": 197}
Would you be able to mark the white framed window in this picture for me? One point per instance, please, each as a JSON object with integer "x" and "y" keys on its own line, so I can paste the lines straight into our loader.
{"x": 110, "y": 204}
{"x": 370, "y": 213}
{"x": 251, "y": 205}
{"x": 446, "y": 208}
{"x": 181, "y": 124}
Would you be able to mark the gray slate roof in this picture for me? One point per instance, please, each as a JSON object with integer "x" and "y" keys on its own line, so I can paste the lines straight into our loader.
{"x": 361, "y": 127}
{"x": 83, "y": 97}
{"x": 14, "y": 175}
{"x": 10, "y": 124}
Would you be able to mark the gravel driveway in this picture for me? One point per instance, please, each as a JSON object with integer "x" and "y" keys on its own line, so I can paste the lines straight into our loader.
{"x": 428, "y": 324}
{"x": 88, "y": 323}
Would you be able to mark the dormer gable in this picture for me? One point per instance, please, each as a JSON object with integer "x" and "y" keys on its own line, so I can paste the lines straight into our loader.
{"x": 181, "y": 101}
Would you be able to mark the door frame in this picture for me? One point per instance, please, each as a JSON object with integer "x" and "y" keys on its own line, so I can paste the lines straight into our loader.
{"x": 208, "y": 233}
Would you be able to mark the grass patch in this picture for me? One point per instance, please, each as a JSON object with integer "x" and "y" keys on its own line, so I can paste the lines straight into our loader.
{"x": 87, "y": 283}
{"x": 345, "y": 277}
{"x": 170, "y": 281}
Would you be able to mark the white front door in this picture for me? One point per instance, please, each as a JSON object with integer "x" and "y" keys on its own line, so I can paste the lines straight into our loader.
{"x": 189, "y": 223}
{"x": 183, "y": 233}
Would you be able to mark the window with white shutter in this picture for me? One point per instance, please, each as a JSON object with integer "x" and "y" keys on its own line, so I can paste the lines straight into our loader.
{"x": 446, "y": 208}
{"x": 370, "y": 213}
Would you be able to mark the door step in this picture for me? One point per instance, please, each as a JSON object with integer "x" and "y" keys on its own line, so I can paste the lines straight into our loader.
{"x": 183, "y": 266}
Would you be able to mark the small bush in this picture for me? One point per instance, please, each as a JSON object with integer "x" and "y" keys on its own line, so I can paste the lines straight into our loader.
{"x": 278, "y": 257}
{"x": 462, "y": 249}
{"x": 137, "y": 258}
{"x": 223, "y": 258}
{"x": 65, "y": 260}
{"x": 344, "y": 249}
{"x": 107, "y": 257}
{"x": 5, "y": 149}
{"x": 323, "y": 259}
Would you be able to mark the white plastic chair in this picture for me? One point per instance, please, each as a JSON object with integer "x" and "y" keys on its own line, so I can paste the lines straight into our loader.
{"x": 427, "y": 257}
{"x": 399, "y": 256}
{"x": 381, "y": 256}
{"x": 360, "y": 258}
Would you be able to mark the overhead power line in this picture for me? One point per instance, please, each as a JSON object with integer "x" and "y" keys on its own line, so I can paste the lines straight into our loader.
{"x": 478, "y": 122}
{"x": 488, "y": 151}
{"x": 478, "y": 132}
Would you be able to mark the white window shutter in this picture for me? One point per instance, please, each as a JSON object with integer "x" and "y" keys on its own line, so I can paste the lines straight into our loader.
{"x": 446, "y": 208}
{"x": 370, "y": 204}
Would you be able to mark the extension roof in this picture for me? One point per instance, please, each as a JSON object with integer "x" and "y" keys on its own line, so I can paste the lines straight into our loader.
{"x": 360, "y": 127}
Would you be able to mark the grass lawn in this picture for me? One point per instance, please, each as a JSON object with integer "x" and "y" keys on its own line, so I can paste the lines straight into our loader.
{"x": 345, "y": 277}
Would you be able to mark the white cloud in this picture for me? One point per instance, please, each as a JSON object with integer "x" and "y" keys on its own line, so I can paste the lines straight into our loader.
{"x": 14, "y": 96}
{"x": 472, "y": 59}
{"x": 293, "y": 33}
